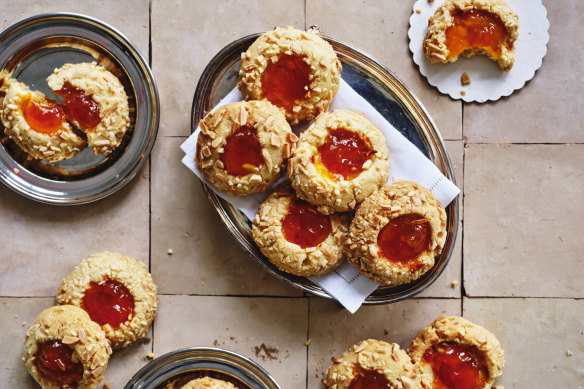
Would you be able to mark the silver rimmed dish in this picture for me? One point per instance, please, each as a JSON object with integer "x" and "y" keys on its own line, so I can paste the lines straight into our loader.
{"x": 176, "y": 368}
{"x": 29, "y": 51}
{"x": 383, "y": 90}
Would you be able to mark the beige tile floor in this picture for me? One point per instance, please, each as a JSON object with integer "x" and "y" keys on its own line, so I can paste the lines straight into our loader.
{"x": 519, "y": 254}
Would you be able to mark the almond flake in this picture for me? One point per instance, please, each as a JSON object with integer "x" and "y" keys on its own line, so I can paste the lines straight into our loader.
{"x": 242, "y": 116}
{"x": 267, "y": 159}
{"x": 275, "y": 140}
{"x": 206, "y": 152}
{"x": 69, "y": 339}
{"x": 216, "y": 142}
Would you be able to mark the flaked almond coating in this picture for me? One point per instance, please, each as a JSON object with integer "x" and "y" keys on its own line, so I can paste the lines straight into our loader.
{"x": 208, "y": 383}
{"x": 297, "y": 71}
{"x": 114, "y": 273}
{"x": 243, "y": 147}
{"x": 72, "y": 329}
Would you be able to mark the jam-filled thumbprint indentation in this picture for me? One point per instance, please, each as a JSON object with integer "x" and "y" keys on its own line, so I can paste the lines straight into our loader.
{"x": 43, "y": 116}
{"x": 242, "y": 153}
{"x": 108, "y": 302}
{"x": 404, "y": 238}
{"x": 79, "y": 106}
{"x": 286, "y": 81}
{"x": 53, "y": 359}
{"x": 305, "y": 226}
{"x": 456, "y": 366}
{"x": 369, "y": 379}
{"x": 344, "y": 152}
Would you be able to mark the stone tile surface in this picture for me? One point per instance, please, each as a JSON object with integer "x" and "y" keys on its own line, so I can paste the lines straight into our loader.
{"x": 247, "y": 326}
{"x": 522, "y": 212}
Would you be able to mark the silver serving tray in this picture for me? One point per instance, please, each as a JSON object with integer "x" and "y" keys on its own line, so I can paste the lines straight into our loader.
{"x": 381, "y": 88}
{"x": 30, "y": 50}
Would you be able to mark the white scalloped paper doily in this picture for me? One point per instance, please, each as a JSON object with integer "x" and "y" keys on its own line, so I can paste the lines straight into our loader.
{"x": 488, "y": 82}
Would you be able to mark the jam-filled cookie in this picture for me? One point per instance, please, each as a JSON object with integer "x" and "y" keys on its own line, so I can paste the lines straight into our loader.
{"x": 469, "y": 27}
{"x": 37, "y": 124}
{"x": 242, "y": 147}
{"x": 373, "y": 364}
{"x": 95, "y": 101}
{"x": 396, "y": 233}
{"x": 117, "y": 292}
{"x": 454, "y": 353}
{"x": 296, "y": 237}
{"x": 339, "y": 161}
{"x": 208, "y": 383}
{"x": 297, "y": 71}
{"x": 64, "y": 348}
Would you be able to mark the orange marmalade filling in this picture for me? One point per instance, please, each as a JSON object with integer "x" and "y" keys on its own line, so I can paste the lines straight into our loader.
{"x": 53, "y": 360}
{"x": 43, "y": 116}
{"x": 286, "y": 81}
{"x": 343, "y": 154}
{"x": 305, "y": 226}
{"x": 369, "y": 379}
{"x": 404, "y": 238}
{"x": 243, "y": 152}
{"x": 457, "y": 366}
{"x": 108, "y": 302}
{"x": 79, "y": 106}
{"x": 475, "y": 29}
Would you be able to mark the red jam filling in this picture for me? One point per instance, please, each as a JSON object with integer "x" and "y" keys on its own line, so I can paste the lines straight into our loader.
{"x": 43, "y": 116}
{"x": 53, "y": 360}
{"x": 344, "y": 153}
{"x": 369, "y": 379}
{"x": 404, "y": 238}
{"x": 79, "y": 106}
{"x": 456, "y": 366}
{"x": 286, "y": 81}
{"x": 475, "y": 29}
{"x": 305, "y": 226}
{"x": 108, "y": 302}
{"x": 243, "y": 153}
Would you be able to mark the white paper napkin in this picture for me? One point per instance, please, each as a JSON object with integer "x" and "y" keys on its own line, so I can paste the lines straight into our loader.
{"x": 345, "y": 283}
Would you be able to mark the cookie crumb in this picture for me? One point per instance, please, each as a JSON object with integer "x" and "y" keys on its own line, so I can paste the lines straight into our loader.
{"x": 150, "y": 356}
{"x": 23, "y": 323}
{"x": 430, "y": 1}
{"x": 15, "y": 170}
{"x": 418, "y": 11}
{"x": 463, "y": 92}
{"x": 107, "y": 385}
{"x": 568, "y": 353}
{"x": 464, "y": 79}
{"x": 307, "y": 342}
{"x": 454, "y": 284}
{"x": 498, "y": 387}
{"x": 170, "y": 251}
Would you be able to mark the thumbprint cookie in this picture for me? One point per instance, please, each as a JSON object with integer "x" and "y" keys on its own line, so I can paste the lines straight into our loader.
{"x": 454, "y": 353}
{"x": 469, "y": 27}
{"x": 95, "y": 101}
{"x": 117, "y": 292}
{"x": 242, "y": 147}
{"x": 296, "y": 237}
{"x": 208, "y": 383}
{"x": 339, "y": 161}
{"x": 373, "y": 364}
{"x": 396, "y": 233}
{"x": 64, "y": 348}
{"x": 297, "y": 71}
{"x": 37, "y": 124}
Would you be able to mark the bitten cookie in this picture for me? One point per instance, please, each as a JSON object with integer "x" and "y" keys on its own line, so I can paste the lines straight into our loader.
{"x": 376, "y": 363}
{"x": 297, "y": 71}
{"x": 242, "y": 147}
{"x": 454, "y": 353}
{"x": 469, "y": 27}
{"x": 95, "y": 101}
{"x": 117, "y": 292}
{"x": 37, "y": 124}
{"x": 65, "y": 349}
{"x": 208, "y": 383}
{"x": 396, "y": 233}
{"x": 339, "y": 161}
{"x": 296, "y": 237}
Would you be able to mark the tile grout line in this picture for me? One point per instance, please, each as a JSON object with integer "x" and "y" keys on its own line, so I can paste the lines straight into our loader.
{"x": 461, "y": 215}
{"x": 307, "y": 337}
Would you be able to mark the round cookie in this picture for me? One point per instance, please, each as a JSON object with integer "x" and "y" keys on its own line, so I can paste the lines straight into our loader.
{"x": 65, "y": 349}
{"x": 396, "y": 233}
{"x": 501, "y": 20}
{"x": 297, "y": 238}
{"x": 48, "y": 136}
{"x": 208, "y": 383}
{"x": 443, "y": 341}
{"x": 117, "y": 292}
{"x": 339, "y": 161}
{"x": 373, "y": 361}
{"x": 295, "y": 70}
{"x": 242, "y": 147}
{"x": 95, "y": 101}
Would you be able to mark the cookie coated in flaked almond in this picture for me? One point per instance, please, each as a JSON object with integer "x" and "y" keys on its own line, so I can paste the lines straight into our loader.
{"x": 268, "y": 233}
{"x": 72, "y": 327}
{"x": 390, "y": 202}
{"x": 208, "y": 383}
{"x": 331, "y": 192}
{"x": 455, "y": 329}
{"x": 386, "y": 361}
{"x": 275, "y": 137}
{"x": 130, "y": 273}
{"x": 436, "y": 49}
{"x": 289, "y": 44}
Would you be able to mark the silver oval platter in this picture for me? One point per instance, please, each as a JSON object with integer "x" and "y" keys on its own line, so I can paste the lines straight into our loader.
{"x": 30, "y": 51}
{"x": 383, "y": 91}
